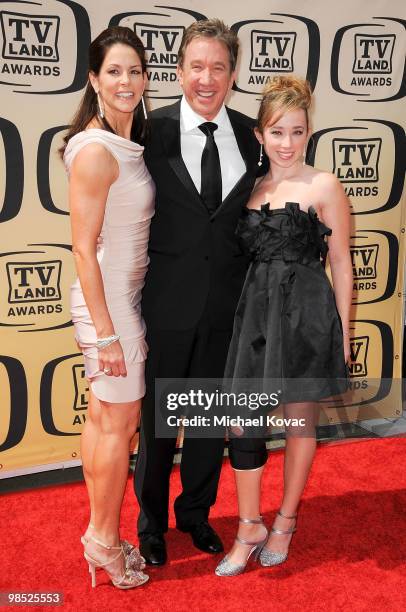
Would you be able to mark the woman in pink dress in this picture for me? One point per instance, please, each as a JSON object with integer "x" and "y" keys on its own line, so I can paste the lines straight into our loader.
{"x": 111, "y": 199}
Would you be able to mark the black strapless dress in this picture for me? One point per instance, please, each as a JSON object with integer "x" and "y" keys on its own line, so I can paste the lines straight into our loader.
{"x": 287, "y": 331}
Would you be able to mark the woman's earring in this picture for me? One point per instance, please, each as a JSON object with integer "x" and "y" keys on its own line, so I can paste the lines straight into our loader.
{"x": 261, "y": 154}
{"x": 304, "y": 157}
{"x": 144, "y": 108}
{"x": 100, "y": 109}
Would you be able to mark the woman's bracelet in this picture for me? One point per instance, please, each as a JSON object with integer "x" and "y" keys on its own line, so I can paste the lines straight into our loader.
{"x": 101, "y": 343}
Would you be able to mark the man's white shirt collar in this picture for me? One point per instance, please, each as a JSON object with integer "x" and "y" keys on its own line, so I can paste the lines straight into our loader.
{"x": 190, "y": 120}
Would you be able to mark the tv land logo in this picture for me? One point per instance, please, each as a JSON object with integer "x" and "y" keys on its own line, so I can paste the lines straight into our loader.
{"x": 374, "y": 256}
{"x": 36, "y": 48}
{"x": 367, "y": 158}
{"x": 63, "y": 398}
{"x": 367, "y": 60}
{"x": 373, "y": 54}
{"x": 272, "y": 52}
{"x": 371, "y": 350}
{"x": 81, "y": 387}
{"x": 284, "y": 44}
{"x": 34, "y": 282}
{"x": 161, "y": 32}
{"x": 37, "y": 284}
{"x": 364, "y": 259}
{"x": 356, "y": 160}
{"x": 30, "y": 37}
{"x": 63, "y": 379}
{"x": 370, "y": 365}
{"x": 358, "y": 356}
{"x": 162, "y": 46}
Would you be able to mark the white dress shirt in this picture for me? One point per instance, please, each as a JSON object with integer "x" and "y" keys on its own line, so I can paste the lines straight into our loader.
{"x": 192, "y": 142}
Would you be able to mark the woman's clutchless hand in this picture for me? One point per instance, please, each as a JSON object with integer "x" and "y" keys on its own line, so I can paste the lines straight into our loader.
{"x": 111, "y": 360}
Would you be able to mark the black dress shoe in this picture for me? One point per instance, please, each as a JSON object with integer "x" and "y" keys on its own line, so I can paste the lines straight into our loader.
{"x": 153, "y": 548}
{"x": 204, "y": 537}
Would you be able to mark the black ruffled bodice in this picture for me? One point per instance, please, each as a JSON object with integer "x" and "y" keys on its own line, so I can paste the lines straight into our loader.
{"x": 286, "y": 327}
{"x": 289, "y": 233}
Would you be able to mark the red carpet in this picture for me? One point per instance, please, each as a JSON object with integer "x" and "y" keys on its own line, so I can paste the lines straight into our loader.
{"x": 348, "y": 553}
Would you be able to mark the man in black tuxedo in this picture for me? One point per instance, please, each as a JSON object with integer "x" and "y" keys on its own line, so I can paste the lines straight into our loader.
{"x": 203, "y": 158}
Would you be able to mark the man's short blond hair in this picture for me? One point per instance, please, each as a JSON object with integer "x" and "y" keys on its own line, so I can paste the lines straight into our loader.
{"x": 210, "y": 28}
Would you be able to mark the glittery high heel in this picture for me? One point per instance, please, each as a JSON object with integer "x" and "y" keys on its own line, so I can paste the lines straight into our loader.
{"x": 129, "y": 579}
{"x": 227, "y": 568}
{"x": 134, "y": 560}
{"x": 268, "y": 558}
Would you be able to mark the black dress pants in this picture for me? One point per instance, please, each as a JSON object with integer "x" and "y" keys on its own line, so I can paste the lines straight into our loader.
{"x": 200, "y": 352}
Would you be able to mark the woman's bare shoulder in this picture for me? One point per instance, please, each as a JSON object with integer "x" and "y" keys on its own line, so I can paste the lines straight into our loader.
{"x": 324, "y": 178}
{"x": 94, "y": 161}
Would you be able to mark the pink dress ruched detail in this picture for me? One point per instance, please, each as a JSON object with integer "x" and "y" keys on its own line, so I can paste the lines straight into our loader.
{"x": 122, "y": 253}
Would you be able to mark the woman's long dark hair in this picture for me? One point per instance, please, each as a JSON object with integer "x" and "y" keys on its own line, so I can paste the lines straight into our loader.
{"x": 88, "y": 105}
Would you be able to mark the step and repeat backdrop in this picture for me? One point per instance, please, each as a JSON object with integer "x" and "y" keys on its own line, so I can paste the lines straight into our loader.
{"x": 353, "y": 54}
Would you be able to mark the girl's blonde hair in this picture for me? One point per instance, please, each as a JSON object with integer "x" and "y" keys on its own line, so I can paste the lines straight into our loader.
{"x": 282, "y": 94}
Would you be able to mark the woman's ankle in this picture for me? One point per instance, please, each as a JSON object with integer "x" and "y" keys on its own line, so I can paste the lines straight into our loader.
{"x": 105, "y": 537}
{"x": 285, "y": 519}
{"x": 245, "y": 531}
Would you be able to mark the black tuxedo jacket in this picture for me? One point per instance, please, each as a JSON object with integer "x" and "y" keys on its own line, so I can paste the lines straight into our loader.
{"x": 195, "y": 259}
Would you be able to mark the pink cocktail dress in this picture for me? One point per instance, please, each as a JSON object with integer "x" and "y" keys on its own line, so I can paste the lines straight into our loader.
{"x": 123, "y": 260}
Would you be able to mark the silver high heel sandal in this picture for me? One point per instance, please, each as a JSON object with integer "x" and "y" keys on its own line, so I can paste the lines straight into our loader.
{"x": 134, "y": 560}
{"x": 127, "y": 580}
{"x": 267, "y": 558}
{"x": 227, "y": 568}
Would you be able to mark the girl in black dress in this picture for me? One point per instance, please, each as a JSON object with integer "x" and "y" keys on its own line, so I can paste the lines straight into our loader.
{"x": 291, "y": 330}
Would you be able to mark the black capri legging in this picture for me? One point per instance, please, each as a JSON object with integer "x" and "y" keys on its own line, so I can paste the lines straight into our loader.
{"x": 247, "y": 453}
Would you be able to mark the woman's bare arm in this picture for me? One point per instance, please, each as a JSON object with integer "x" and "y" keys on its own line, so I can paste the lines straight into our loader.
{"x": 93, "y": 172}
{"x": 335, "y": 212}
